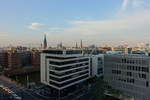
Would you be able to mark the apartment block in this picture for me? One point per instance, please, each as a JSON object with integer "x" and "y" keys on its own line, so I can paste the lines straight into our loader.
{"x": 3, "y": 59}
{"x": 14, "y": 59}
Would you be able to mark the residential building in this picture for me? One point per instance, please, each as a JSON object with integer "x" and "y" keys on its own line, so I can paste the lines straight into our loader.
{"x": 35, "y": 58}
{"x": 25, "y": 58}
{"x": 14, "y": 59}
{"x": 3, "y": 59}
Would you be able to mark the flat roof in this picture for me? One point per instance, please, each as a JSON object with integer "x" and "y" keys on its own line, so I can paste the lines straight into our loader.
{"x": 61, "y": 51}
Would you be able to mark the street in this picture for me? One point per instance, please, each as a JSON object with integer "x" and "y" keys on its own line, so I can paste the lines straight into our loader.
{"x": 27, "y": 94}
{"x": 22, "y": 92}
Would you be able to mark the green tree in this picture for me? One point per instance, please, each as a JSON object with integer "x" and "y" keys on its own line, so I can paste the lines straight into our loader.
{"x": 98, "y": 89}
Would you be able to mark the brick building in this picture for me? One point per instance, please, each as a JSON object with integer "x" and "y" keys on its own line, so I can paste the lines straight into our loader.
{"x": 3, "y": 59}
{"x": 35, "y": 58}
{"x": 14, "y": 59}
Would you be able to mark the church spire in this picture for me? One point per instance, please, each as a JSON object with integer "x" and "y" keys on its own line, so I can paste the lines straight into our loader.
{"x": 76, "y": 45}
{"x": 45, "y": 42}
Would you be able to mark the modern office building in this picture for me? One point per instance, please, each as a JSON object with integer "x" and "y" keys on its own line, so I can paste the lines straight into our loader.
{"x": 129, "y": 73}
{"x": 97, "y": 65}
{"x": 61, "y": 69}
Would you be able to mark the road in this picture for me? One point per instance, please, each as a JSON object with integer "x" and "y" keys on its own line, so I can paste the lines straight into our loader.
{"x": 20, "y": 91}
{"x": 27, "y": 94}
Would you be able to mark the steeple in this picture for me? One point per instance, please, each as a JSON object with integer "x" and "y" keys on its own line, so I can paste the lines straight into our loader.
{"x": 45, "y": 42}
{"x": 76, "y": 45}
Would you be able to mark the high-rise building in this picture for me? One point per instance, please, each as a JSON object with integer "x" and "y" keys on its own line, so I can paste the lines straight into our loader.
{"x": 61, "y": 69}
{"x": 45, "y": 42}
{"x": 129, "y": 73}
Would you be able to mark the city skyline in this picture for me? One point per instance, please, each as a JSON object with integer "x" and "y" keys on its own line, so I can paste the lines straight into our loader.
{"x": 95, "y": 22}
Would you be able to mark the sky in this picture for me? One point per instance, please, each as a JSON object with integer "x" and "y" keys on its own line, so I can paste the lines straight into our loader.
{"x": 99, "y": 22}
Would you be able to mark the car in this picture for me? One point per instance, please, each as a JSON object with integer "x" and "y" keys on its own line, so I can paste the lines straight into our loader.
{"x": 18, "y": 98}
{"x": 15, "y": 95}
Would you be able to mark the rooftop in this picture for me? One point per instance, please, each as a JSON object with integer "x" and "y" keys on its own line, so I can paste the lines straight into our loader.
{"x": 62, "y": 51}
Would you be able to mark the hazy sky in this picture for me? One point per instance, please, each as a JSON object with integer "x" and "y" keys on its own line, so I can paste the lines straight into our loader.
{"x": 94, "y": 21}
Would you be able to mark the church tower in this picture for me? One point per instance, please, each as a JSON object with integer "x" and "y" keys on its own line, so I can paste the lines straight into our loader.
{"x": 45, "y": 42}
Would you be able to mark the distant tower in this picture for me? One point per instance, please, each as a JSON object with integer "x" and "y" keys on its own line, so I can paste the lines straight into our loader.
{"x": 45, "y": 42}
{"x": 76, "y": 45}
{"x": 81, "y": 44}
{"x": 41, "y": 45}
{"x": 61, "y": 45}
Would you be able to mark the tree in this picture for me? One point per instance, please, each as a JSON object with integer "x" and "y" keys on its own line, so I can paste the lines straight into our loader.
{"x": 98, "y": 89}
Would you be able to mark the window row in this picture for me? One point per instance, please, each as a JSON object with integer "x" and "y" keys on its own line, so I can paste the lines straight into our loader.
{"x": 133, "y": 61}
{"x": 128, "y": 80}
{"x": 68, "y": 77}
{"x": 138, "y": 68}
{"x": 68, "y": 62}
{"x": 68, "y": 72}
{"x": 67, "y": 67}
{"x": 116, "y": 72}
{"x": 68, "y": 82}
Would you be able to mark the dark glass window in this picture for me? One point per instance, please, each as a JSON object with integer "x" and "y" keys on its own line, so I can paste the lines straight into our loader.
{"x": 68, "y": 77}
{"x": 53, "y": 51}
{"x": 68, "y": 82}
{"x": 116, "y": 71}
{"x": 68, "y": 72}
{"x": 147, "y": 84}
{"x": 68, "y": 62}
{"x": 129, "y": 74}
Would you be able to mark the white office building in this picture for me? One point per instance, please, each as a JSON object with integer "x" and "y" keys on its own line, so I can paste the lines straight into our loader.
{"x": 63, "y": 68}
{"x": 129, "y": 73}
{"x": 97, "y": 65}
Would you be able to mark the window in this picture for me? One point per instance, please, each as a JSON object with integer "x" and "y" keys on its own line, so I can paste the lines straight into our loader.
{"x": 147, "y": 84}
{"x": 116, "y": 71}
{"x": 142, "y": 76}
{"x": 129, "y": 74}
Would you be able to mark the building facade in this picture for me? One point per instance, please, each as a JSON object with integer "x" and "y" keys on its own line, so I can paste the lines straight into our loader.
{"x": 14, "y": 59}
{"x": 35, "y": 58}
{"x": 97, "y": 65}
{"x": 129, "y": 73}
{"x": 4, "y": 59}
{"x": 61, "y": 69}
{"x": 25, "y": 58}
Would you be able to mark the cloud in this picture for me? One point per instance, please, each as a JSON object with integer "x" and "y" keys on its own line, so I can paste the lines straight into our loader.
{"x": 35, "y": 26}
{"x": 137, "y": 3}
{"x": 129, "y": 28}
{"x": 134, "y": 4}
{"x": 124, "y": 4}
{"x": 55, "y": 30}
{"x": 132, "y": 27}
